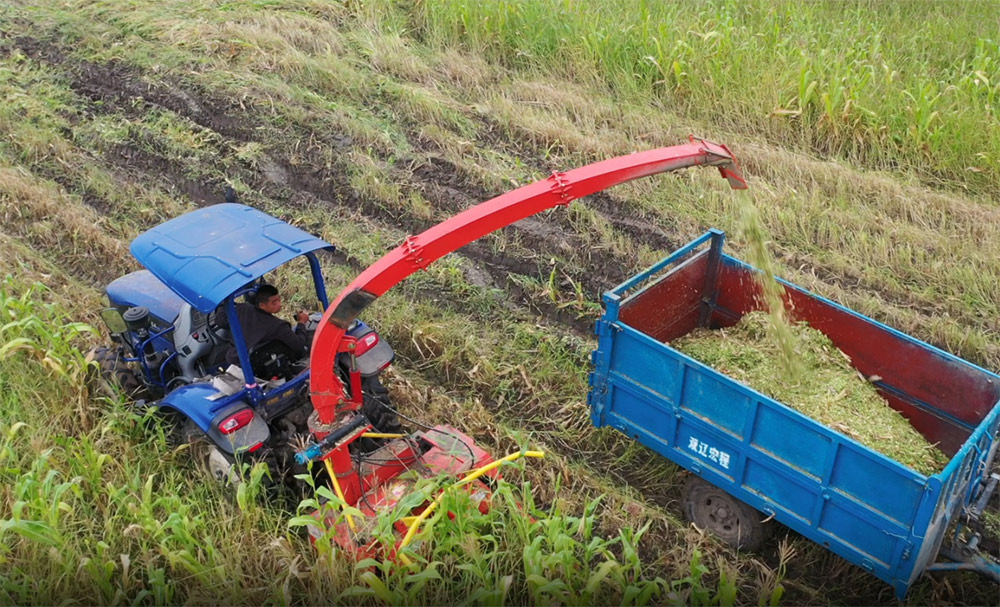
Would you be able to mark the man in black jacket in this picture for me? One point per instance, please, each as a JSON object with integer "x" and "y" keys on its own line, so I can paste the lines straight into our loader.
{"x": 260, "y": 325}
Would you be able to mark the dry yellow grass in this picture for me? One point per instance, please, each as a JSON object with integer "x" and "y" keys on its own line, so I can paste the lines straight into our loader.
{"x": 304, "y": 92}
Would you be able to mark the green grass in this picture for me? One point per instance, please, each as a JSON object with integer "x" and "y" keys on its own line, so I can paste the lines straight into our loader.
{"x": 363, "y": 122}
{"x": 100, "y": 507}
{"x": 917, "y": 86}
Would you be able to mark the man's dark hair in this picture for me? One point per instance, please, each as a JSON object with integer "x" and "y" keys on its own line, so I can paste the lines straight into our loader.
{"x": 264, "y": 294}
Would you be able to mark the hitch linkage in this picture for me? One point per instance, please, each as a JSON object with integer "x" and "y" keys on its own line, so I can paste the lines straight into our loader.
{"x": 346, "y": 433}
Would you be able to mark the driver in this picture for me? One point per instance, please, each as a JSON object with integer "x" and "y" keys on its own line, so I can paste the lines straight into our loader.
{"x": 260, "y": 325}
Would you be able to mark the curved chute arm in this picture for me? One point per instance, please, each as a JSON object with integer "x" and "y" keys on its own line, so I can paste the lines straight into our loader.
{"x": 417, "y": 252}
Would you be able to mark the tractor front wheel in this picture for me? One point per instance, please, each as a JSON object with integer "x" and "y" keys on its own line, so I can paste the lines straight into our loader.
{"x": 113, "y": 371}
{"x": 733, "y": 521}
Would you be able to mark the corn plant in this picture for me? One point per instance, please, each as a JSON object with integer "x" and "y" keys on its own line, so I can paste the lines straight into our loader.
{"x": 851, "y": 90}
{"x": 516, "y": 553}
{"x": 31, "y": 328}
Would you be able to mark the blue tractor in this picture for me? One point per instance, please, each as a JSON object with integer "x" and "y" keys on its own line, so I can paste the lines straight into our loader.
{"x": 172, "y": 321}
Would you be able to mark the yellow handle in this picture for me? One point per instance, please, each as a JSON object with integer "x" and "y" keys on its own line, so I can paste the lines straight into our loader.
{"x": 415, "y": 523}
{"x": 340, "y": 494}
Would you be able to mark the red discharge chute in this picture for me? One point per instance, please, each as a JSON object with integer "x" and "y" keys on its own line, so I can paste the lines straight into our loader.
{"x": 419, "y": 251}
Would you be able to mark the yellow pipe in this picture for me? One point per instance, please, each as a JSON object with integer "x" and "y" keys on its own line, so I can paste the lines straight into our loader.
{"x": 412, "y": 530}
{"x": 508, "y": 458}
{"x": 340, "y": 494}
{"x": 381, "y": 435}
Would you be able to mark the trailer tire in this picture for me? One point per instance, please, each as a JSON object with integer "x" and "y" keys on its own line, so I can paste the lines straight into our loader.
{"x": 732, "y": 521}
{"x": 113, "y": 371}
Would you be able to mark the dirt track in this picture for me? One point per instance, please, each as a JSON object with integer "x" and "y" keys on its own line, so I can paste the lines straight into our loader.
{"x": 115, "y": 88}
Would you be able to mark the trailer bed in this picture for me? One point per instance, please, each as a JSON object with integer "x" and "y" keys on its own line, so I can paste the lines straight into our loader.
{"x": 862, "y": 505}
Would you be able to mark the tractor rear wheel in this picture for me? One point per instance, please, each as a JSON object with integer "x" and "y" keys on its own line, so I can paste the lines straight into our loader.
{"x": 219, "y": 466}
{"x": 733, "y": 521}
{"x": 377, "y": 408}
{"x": 114, "y": 371}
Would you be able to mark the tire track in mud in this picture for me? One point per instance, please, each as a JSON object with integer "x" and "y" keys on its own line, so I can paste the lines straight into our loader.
{"x": 619, "y": 212}
{"x": 116, "y": 88}
{"x": 549, "y": 233}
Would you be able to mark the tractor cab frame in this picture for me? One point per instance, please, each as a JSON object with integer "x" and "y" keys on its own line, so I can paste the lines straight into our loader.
{"x": 163, "y": 320}
{"x": 207, "y": 259}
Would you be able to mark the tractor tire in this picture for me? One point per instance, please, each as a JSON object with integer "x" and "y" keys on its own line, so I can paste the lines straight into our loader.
{"x": 112, "y": 372}
{"x": 732, "y": 521}
{"x": 208, "y": 459}
{"x": 377, "y": 408}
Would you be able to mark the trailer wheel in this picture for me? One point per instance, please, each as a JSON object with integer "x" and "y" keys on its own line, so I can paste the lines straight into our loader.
{"x": 733, "y": 521}
{"x": 114, "y": 371}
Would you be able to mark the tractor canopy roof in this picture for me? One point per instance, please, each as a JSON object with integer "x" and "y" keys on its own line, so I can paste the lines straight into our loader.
{"x": 207, "y": 254}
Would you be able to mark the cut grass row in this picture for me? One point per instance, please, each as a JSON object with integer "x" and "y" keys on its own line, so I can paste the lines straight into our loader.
{"x": 312, "y": 101}
{"x": 947, "y": 233}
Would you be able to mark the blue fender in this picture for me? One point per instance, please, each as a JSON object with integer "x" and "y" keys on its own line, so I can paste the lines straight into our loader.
{"x": 193, "y": 401}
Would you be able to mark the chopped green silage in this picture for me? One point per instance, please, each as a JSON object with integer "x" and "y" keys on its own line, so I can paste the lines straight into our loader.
{"x": 829, "y": 391}
{"x": 751, "y": 229}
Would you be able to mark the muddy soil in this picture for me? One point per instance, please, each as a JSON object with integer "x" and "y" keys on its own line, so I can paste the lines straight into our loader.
{"x": 118, "y": 88}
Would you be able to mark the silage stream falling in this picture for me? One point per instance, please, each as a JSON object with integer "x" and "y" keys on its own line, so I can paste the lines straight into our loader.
{"x": 750, "y": 228}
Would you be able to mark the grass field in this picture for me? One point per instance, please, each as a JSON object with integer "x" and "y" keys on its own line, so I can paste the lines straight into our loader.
{"x": 868, "y": 133}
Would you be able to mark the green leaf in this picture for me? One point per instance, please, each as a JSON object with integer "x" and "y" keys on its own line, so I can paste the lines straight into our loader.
{"x": 15, "y": 345}
{"x": 302, "y": 521}
{"x": 325, "y": 492}
{"x": 553, "y": 586}
{"x": 366, "y": 563}
{"x": 428, "y": 573}
{"x": 36, "y": 531}
{"x": 376, "y": 585}
{"x": 598, "y": 576}
{"x": 776, "y": 594}
{"x": 648, "y": 591}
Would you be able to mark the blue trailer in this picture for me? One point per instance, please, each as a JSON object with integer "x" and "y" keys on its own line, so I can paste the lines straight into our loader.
{"x": 748, "y": 450}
